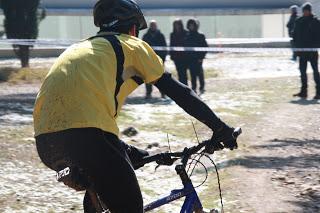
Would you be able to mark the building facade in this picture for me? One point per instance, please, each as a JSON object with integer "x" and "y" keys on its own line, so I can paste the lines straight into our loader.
{"x": 236, "y": 26}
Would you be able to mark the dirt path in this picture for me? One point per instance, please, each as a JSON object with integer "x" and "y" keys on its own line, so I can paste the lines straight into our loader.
{"x": 275, "y": 169}
{"x": 279, "y": 172}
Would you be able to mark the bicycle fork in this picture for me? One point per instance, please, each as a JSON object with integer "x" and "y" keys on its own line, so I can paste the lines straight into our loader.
{"x": 192, "y": 202}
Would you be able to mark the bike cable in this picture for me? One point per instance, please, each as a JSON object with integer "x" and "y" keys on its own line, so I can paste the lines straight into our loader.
{"x": 205, "y": 168}
{"x": 191, "y": 163}
{"x": 196, "y": 162}
{"x": 218, "y": 177}
{"x": 213, "y": 163}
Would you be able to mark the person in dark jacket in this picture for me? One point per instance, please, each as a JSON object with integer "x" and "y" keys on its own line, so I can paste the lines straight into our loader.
{"x": 195, "y": 59}
{"x": 290, "y": 26}
{"x": 306, "y": 34}
{"x": 155, "y": 38}
{"x": 177, "y": 39}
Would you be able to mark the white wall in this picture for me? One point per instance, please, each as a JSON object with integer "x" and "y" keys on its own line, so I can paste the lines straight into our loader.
{"x": 76, "y": 27}
{"x": 218, "y": 26}
{"x": 274, "y": 25}
{"x": 67, "y": 27}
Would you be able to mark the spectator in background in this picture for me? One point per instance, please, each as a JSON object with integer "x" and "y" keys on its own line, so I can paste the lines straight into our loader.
{"x": 290, "y": 26}
{"x": 22, "y": 22}
{"x": 177, "y": 39}
{"x": 306, "y": 34}
{"x": 195, "y": 59}
{"x": 155, "y": 38}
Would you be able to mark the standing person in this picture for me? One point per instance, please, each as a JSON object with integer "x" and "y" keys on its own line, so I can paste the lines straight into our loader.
{"x": 195, "y": 59}
{"x": 290, "y": 26}
{"x": 155, "y": 38}
{"x": 307, "y": 35}
{"x": 78, "y": 103}
{"x": 22, "y": 22}
{"x": 177, "y": 39}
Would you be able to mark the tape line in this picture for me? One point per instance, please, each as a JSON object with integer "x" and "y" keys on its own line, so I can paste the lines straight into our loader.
{"x": 65, "y": 43}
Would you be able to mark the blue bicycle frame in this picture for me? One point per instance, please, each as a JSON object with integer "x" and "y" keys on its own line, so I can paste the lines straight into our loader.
{"x": 192, "y": 201}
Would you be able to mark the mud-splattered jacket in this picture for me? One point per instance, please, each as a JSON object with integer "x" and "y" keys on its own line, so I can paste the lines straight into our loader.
{"x": 84, "y": 88}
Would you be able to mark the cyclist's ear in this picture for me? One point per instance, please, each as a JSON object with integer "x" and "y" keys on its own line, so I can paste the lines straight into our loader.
{"x": 133, "y": 31}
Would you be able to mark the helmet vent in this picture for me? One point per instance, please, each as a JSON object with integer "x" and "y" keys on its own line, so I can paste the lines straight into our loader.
{"x": 110, "y": 24}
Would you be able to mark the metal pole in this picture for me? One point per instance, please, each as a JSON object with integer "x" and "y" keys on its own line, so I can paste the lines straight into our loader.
{"x": 81, "y": 28}
{"x": 283, "y": 24}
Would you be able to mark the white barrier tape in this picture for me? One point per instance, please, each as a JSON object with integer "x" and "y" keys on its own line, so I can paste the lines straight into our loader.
{"x": 34, "y": 42}
{"x": 66, "y": 43}
{"x": 233, "y": 49}
{"x": 247, "y": 40}
{"x": 215, "y": 41}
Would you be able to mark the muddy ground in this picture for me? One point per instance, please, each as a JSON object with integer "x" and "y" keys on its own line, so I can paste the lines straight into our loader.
{"x": 275, "y": 169}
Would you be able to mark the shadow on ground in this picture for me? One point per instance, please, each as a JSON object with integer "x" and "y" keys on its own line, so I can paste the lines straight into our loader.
{"x": 277, "y": 143}
{"x": 17, "y": 103}
{"x": 140, "y": 100}
{"x": 309, "y": 205}
{"x": 6, "y": 72}
{"x": 296, "y": 161}
{"x": 279, "y": 163}
{"x": 304, "y": 160}
{"x": 16, "y": 109}
{"x": 305, "y": 102}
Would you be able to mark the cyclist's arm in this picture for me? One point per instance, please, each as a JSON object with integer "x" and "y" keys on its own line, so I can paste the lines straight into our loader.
{"x": 188, "y": 100}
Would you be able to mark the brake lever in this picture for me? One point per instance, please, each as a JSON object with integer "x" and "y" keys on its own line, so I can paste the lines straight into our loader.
{"x": 166, "y": 161}
{"x": 155, "y": 169}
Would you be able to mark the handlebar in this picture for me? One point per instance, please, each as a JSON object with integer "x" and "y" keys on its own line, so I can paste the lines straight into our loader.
{"x": 169, "y": 158}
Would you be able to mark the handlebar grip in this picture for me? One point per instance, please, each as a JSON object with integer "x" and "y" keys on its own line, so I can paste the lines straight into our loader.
{"x": 211, "y": 147}
{"x": 237, "y": 132}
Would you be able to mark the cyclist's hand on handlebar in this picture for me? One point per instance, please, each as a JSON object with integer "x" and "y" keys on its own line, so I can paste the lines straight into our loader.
{"x": 135, "y": 155}
{"x": 226, "y": 137}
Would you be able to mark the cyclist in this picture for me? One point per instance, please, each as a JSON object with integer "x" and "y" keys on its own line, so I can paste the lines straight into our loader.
{"x": 77, "y": 106}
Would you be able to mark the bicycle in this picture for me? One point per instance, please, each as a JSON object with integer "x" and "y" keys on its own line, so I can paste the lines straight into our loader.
{"x": 73, "y": 178}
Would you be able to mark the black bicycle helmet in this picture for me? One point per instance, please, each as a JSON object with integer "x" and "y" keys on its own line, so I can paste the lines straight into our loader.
{"x": 118, "y": 13}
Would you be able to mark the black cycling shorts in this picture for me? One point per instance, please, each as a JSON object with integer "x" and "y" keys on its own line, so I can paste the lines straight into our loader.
{"x": 100, "y": 155}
